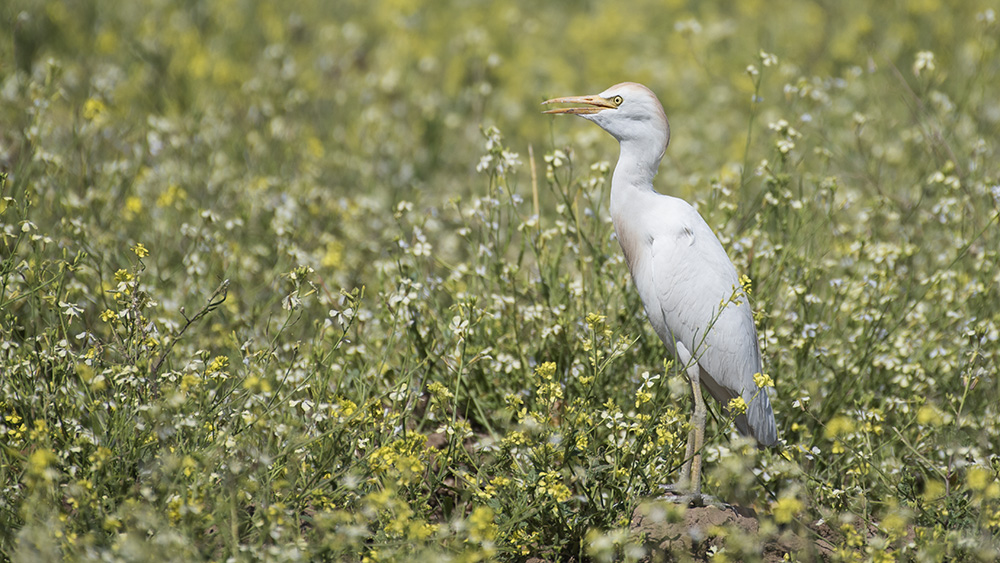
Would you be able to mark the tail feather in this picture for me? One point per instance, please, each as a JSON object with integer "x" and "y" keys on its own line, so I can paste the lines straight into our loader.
{"x": 758, "y": 421}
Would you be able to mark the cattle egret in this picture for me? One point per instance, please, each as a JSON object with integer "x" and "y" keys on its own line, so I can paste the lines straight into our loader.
{"x": 689, "y": 287}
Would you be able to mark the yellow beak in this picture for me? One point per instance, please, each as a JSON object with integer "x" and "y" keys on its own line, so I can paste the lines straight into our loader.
{"x": 593, "y": 104}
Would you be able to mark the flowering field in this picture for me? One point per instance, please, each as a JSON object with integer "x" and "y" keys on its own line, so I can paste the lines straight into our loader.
{"x": 302, "y": 281}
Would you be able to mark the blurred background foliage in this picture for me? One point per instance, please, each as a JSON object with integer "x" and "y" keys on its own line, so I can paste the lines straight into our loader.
{"x": 390, "y": 88}
{"x": 292, "y": 150}
{"x": 375, "y": 99}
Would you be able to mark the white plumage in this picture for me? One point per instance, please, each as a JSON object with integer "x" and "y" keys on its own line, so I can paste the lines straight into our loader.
{"x": 680, "y": 269}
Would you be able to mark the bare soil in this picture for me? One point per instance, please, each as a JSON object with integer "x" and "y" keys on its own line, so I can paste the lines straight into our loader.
{"x": 672, "y": 532}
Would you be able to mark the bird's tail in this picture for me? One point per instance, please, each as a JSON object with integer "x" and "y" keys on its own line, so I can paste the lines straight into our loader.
{"x": 758, "y": 421}
{"x": 759, "y": 418}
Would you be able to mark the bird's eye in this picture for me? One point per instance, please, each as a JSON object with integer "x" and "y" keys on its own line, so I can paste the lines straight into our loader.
{"x": 617, "y": 100}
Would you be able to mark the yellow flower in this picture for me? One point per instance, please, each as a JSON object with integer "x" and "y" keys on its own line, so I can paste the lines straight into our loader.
{"x": 94, "y": 109}
{"x": 107, "y": 42}
{"x": 546, "y": 370}
{"x": 133, "y": 207}
{"x": 785, "y": 509}
{"x": 514, "y": 438}
{"x": 172, "y": 194}
{"x": 439, "y": 391}
{"x": 550, "y": 392}
{"x": 838, "y": 426}
{"x": 642, "y": 397}
{"x": 894, "y": 524}
{"x": 993, "y": 521}
{"x": 218, "y": 363}
{"x": 140, "y": 250}
{"x": 40, "y": 429}
{"x": 481, "y": 523}
{"x": 314, "y": 147}
{"x": 421, "y": 530}
{"x": 513, "y": 401}
{"x": 933, "y": 490}
{"x": 189, "y": 380}
{"x": 552, "y": 485}
{"x": 334, "y": 256}
{"x": 111, "y": 524}
{"x": 347, "y": 407}
{"x": 594, "y": 320}
{"x": 109, "y": 316}
{"x": 763, "y": 380}
{"x": 737, "y": 405}
{"x": 39, "y": 462}
{"x": 927, "y": 414}
{"x": 979, "y": 478}
{"x": 257, "y": 384}
{"x": 101, "y": 455}
{"x": 189, "y": 465}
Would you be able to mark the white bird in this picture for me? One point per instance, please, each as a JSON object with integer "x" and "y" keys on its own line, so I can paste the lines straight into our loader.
{"x": 689, "y": 287}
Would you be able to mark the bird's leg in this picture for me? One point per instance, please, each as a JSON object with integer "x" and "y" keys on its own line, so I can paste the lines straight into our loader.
{"x": 685, "y": 482}
{"x": 689, "y": 485}
{"x": 697, "y": 430}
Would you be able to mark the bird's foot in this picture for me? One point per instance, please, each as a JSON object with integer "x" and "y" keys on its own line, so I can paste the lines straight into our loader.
{"x": 679, "y": 494}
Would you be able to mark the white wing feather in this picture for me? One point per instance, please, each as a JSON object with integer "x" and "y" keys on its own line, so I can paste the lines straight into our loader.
{"x": 684, "y": 275}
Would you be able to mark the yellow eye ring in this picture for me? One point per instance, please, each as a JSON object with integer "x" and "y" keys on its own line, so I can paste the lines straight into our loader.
{"x": 617, "y": 100}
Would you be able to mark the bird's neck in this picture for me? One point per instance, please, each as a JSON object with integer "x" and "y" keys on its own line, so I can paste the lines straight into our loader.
{"x": 632, "y": 188}
{"x": 637, "y": 165}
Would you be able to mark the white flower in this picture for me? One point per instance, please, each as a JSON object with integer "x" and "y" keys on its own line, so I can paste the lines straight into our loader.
{"x": 484, "y": 163}
{"x": 399, "y": 393}
{"x": 688, "y": 27}
{"x": 556, "y": 159}
{"x": 422, "y": 249}
{"x": 508, "y": 161}
{"x": 924, "y": 61}
{"x": 648, "y": 380}
{"x": 70, "y": 309}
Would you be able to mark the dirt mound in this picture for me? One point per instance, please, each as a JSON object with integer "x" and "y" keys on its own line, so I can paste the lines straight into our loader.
{"x": 676, "y": 532}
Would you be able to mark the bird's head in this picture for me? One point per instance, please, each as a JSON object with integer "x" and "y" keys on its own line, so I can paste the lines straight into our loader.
{"x": 630, "y": 112}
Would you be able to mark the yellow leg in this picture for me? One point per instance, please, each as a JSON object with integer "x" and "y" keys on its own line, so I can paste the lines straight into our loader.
{"x": 689, "y": 485}
{"x": 690, "y": 481}
{"x": 684, "y": 485}
{"x": 697, "y": 429}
